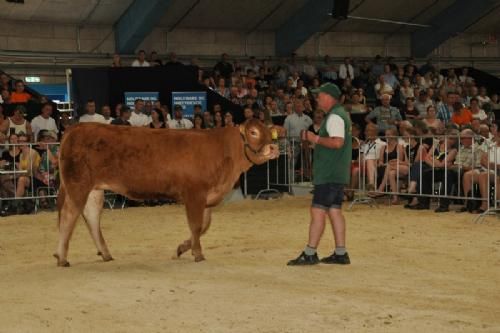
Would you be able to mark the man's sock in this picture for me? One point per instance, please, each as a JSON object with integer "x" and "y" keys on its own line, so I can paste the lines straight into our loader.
{"x": 309, "y": 250}
{"x": 340, "y": 250}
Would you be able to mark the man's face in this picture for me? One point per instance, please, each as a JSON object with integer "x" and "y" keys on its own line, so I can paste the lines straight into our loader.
{"x": 248, "y": 113}
{"x": 106, "y": 111}
{"x": 4, "y": 78}
{"x": 178, "y": 114}
{"x": 466, "y": 141}
{"x": 90, "y": 108}
{"x": 207, "y": 117}
{"x": 473, "y": 104}
{"x": 47, "y": 110}
{"x": 126, "y": 115}
{"x": 142, "y": 56}
{"x": 451, "y": 99}
{"x": 139, "y": 106}
{"x": 299, "y": 106}
{"x": 325, "y": 102}
{"x": 386, "y": 101}
{"x": 19, "y": 87}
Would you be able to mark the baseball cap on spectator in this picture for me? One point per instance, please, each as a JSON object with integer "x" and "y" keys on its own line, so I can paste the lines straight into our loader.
{"x": 330, "y": 89}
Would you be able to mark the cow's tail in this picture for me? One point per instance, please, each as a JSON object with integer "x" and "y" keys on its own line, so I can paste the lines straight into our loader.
{"x": 61, "y": 197}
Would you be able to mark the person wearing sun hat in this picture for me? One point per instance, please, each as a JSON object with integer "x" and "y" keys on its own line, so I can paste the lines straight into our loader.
{"x": 331, "y": 172}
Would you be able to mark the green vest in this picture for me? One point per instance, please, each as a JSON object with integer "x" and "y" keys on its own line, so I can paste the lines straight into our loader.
{"x": 333, "y": 165}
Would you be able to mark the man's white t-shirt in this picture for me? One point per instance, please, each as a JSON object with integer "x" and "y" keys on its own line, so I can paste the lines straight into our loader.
{"x": 136, "y": 63}
{"x": 138, "y": 119}
{"x": 95, "y": 118}
{"x": 40, "y": 123}
{"x": 180, "y": 123}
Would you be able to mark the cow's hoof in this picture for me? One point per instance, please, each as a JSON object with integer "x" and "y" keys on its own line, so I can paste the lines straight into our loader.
{"x": 99, "y": 253}
{"x": 180, "y": 250}
{"x": 61, "y": 263}
{"x": 199, "y": 258}
{"x": 107, "y": 258}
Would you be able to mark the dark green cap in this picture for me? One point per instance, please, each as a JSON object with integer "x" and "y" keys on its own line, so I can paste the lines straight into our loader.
{"x": 330, "y": 89}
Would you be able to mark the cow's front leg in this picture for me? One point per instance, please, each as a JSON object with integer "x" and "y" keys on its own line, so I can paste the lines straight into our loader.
{"x": 186, "y": 245}
{"x": 194, "y": 209}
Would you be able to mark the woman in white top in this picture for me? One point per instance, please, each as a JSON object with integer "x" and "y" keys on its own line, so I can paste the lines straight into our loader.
{"x": 477, "y": 112}
{"x": 17, "y": 123}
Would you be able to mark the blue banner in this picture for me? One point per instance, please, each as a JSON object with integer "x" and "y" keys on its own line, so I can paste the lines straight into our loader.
{"x": 188, "y": 99}
{"x": 131, "y": 96}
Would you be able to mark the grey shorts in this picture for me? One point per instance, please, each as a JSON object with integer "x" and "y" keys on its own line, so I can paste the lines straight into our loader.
{"x": 327, "y": 196}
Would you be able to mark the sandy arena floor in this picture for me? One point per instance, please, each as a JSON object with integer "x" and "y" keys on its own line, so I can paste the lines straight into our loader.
{"x": 410, "y": 272}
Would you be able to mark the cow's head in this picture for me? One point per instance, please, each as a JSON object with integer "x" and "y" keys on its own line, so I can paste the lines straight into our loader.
{"x": 258, "y": 144}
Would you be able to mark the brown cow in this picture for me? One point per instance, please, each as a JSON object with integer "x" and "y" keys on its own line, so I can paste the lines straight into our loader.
{"x": 191, "y": 166}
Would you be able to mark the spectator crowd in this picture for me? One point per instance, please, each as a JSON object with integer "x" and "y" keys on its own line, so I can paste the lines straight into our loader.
{"x": 414, "y": 125}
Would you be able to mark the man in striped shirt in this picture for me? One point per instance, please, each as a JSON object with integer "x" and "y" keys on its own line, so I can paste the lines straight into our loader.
{"x": 445, "y": 108}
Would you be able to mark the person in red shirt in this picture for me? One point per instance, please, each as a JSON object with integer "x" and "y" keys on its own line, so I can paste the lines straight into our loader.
{"x": 461, "y": 116}
{"x": 19, "y": 95}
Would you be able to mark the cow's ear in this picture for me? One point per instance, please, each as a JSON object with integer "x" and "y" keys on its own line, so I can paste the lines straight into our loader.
{"x": 242, "y": 129}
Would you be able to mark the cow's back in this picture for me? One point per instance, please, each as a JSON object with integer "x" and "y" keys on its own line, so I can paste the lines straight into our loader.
{"x": 144, "y": 163}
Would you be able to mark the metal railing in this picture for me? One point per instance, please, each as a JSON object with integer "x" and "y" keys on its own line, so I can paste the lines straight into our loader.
{"x": 436, "y": 169}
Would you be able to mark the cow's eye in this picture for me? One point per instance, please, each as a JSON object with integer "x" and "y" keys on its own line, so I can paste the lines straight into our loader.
{"x": 253, "y": 133}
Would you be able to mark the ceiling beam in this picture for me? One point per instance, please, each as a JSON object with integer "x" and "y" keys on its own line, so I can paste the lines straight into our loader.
{"x": 137, "y": 22}
{"x": 456, "y": 18}
{"x": 311, "y": 18}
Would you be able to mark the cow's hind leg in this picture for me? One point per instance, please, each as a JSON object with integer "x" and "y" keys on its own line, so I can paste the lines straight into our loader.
{"x": 186, "y": 245}
{"x": 92, "y": 215}
{"x": 68, "y": 214}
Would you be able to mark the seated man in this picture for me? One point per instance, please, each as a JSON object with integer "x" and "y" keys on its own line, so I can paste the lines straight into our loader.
{"x": 44, "y": 121}
{"x": 385, "y": 115}
{"x": 90, "y": 115}
{"x": 179, "y": 122}
{"x": 371, "y": 155}
{"x": 124, "y": 117}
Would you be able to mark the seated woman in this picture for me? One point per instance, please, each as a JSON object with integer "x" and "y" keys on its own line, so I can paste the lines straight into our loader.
{"x": 228, "y": 120}
{"x": 394, "y": 164}
{"x": 355, "y": 105}
{"x": 371, "y": 157}
{"x": 198, "y": 122}
{"x": 431, "y": 120}
{"x": 157, "y": 120}
{"x": 17, "y": 123}
{"x": 408, "y": 111}
{"x": 490, "y": 161}
{"x": 9, "y": 161}
{"x": 218, "y": 120}
{"x": 46, "y": 173}
{"x": 29, "y": 161}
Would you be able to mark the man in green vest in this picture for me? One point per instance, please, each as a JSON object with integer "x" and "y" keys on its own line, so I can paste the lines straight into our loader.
{"x": 331, "y": 172}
